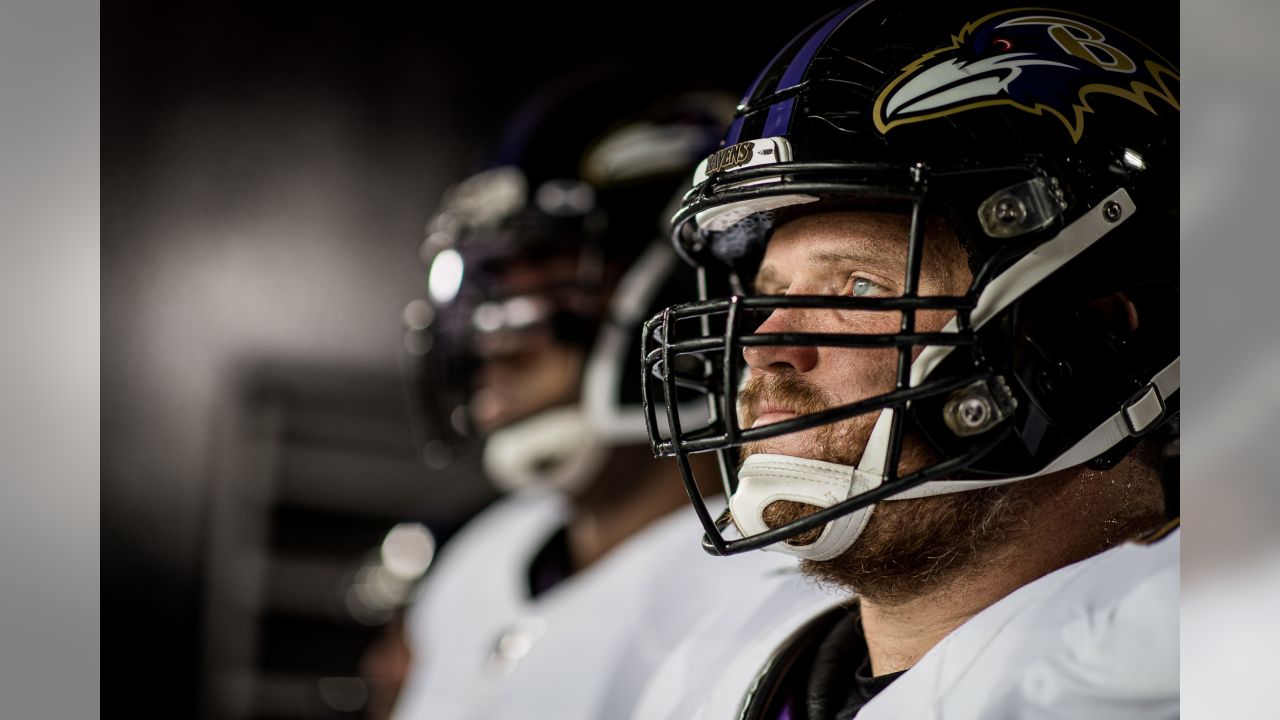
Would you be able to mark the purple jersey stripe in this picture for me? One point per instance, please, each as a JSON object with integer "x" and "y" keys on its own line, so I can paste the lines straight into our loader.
{"x": 779, "y": 120}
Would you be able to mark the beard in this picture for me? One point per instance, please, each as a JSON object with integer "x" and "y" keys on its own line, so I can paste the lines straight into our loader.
{"x": 840, "y": 442}
{"x": 908, "y": 547}
{"x": 912, "y": 547}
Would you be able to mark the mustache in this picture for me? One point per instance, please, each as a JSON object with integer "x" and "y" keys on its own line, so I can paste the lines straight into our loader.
{"x": 785, "y": 389}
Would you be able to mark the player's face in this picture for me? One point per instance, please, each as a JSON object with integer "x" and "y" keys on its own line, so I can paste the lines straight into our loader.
{"x": 522, "y": 374}
{"x": 851, "y": 253}
{"x": 525, "y": 371}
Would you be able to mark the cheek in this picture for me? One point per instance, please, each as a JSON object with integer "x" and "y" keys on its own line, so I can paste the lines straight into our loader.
{"x": 556, "y": 374}
{"x": 933, "y": 320}
{"x": 929, "y": 321}
{"x": 857, "y": 373}
{"x": 854, "y": 374}
{"x": 521, "y": 386}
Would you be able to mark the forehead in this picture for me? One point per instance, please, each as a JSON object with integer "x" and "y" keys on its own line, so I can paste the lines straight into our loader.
{"x": 879, "y": 231}
{"x": 873, "y": 235}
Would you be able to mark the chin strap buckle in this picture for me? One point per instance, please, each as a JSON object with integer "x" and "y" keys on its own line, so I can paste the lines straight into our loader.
{"x": 1144, "y": 410}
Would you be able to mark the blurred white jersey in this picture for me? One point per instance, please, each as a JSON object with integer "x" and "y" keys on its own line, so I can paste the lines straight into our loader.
{"x": 711, "y": 673}
{"x": 483, "y": 648}
{"x": 1097, "y": 639}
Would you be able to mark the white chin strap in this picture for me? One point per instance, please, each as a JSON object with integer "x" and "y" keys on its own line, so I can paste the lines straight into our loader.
{"x": 555, "y": 448}
{"x": 764, "y": 479}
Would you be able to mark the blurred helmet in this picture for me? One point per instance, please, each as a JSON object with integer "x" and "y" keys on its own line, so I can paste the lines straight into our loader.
{"x": 561, "y": 236}
{"x": 1047, "y": 139}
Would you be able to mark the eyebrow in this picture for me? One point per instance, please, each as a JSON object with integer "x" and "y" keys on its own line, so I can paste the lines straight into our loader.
{"x": 824, "y": 257}
{"x": 829, "y": 257}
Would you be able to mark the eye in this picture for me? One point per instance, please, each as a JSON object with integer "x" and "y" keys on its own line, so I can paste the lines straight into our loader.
{"x": 863, "y": 287}
{"x": 1002, "y": 45}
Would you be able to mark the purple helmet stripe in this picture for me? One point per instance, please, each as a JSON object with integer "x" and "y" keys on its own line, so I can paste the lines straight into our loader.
{"x": 735, "y": 129}
{"x": 795, "y": 71}
{"x": 779, "y": 120}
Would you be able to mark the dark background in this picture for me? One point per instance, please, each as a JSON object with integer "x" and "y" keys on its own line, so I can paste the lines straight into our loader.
{"x": 266, "y": 174}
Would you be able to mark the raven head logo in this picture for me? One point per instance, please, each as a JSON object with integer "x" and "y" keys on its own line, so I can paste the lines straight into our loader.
{"x": 1037, "y": 60}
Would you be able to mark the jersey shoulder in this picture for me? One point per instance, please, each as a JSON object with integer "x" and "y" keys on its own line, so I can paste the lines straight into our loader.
{"x": 1095, "y": 639}
{"x": 505, "y": 533}
{"x": 711, "y": 674}
{"x": 677, "y": 586}
{"x": 482, "y": 571}
{"x": 475, "y": 589}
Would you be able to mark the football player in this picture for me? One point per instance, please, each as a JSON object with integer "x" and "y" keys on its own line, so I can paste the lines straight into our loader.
{"x": 939, "y": 330}
{"x": 557, "y": 601}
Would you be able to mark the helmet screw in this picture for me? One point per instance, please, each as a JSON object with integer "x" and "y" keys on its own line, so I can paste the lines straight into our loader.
{"x": 975, "y": 409}
{"x": 973, "y": 412}
{"x": 1010, "y": 211}
{"x": 1111, "y": 211}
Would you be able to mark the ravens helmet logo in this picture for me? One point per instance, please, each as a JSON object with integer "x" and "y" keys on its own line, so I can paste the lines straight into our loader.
{"x": 1037, "y": 60}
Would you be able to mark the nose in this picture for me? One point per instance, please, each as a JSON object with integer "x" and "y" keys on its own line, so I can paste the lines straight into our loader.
{"x": 781, "y": 358}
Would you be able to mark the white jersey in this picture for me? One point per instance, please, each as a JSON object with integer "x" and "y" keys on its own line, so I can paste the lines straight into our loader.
{"x": 710, "y": 674}
{"x": 1096, "y": 639}
{"x": 483, "y": 648}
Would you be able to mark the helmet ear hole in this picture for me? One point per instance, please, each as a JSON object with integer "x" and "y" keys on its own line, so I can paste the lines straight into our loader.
{"x": 1116, "y": 314}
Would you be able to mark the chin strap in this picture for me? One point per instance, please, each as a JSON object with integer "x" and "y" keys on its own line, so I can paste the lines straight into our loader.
{"x": 555, "y": 448}
{"x": 765, "y": 479}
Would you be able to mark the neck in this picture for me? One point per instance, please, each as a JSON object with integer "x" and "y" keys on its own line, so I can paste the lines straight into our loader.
{"x": 898, "y": 634}
{"x": 1063, "y": 525}
{"x": 632, "y": 490}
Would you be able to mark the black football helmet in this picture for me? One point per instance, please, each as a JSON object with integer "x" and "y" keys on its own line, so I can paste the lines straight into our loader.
{"x": 1047, "y": 139}
{"x": 583, "y": 177}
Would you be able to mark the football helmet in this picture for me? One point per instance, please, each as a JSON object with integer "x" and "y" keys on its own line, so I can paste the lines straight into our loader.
{"x": 573, "y": 201}
{"x": 1047, "y": 139}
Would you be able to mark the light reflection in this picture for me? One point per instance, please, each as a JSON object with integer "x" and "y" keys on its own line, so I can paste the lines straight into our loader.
{"x": 515, "y": 643}
{"x": 489, "y": 317}
{"x": 363, "y": 613}
{"x": 407, "y": 550}
{"x": 445, "y": 277}
{"x": 524, "y": 311}
{"x": 437, "y": 454}
{"x": 418, "y": 342}
{"x": 379, "y": 589}
{"x": 418, "y": 314}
